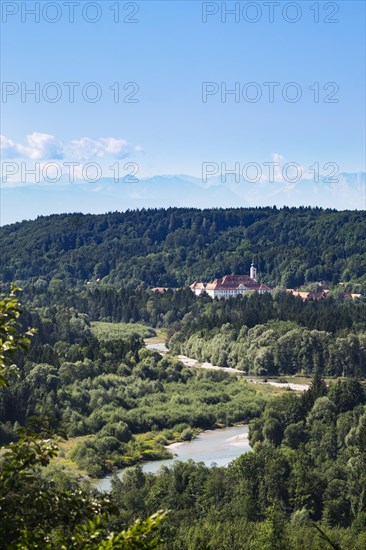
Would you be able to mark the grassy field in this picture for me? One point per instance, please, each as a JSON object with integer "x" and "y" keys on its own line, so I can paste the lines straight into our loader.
{"x": 65, "y": 447}
{"x": 145, "y": 446}
{"x": 159, "y": 338}
{"x": 113, "y": 331}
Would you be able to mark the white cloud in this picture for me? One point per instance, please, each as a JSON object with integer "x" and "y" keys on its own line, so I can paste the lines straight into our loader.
{"x": 277, "y": 169}
{"x": 46, "y": 147}
{"x": 42, "y": 147}
{"x": 38, "y": 147}
{"x": 82, "y": 149}
{"x": 283, "y": 171}
{"x": 9, "y": 149}
{"x": 117, "y": 147}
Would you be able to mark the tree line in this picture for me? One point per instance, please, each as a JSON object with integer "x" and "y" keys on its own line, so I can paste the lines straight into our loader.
{"x": 277, "y": 348}
{"x": 173, "y": 247}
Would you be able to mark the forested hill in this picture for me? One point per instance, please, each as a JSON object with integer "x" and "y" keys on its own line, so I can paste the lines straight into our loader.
{"x": 173, "y": 247}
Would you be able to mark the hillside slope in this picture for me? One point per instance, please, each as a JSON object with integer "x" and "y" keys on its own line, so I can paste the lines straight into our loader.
{"x": 173, "y": 247}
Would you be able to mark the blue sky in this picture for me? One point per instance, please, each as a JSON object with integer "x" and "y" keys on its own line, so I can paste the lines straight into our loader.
{"x": 169, "y": 53}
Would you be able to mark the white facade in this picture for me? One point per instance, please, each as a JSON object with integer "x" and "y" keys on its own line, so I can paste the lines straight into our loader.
{"x": 253, "y": 272}
{"x": 231, "y": 286}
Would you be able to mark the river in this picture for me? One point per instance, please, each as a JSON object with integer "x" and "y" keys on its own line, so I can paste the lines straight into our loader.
{"x": 211, "y": 447}
{"x": 218, "y": 447}
{"x": 189, "y": 362}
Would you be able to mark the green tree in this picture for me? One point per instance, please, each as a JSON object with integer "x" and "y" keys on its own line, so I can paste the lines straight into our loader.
{"x": 11, "y": 340}
{"x": 38, "y": 514}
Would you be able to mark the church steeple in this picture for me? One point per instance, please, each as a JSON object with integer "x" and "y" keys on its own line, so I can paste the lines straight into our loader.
{"x": 253, "y": 271}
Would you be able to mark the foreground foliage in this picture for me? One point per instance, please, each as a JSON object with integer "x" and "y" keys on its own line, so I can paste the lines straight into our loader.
{"x": 35, "y": 512}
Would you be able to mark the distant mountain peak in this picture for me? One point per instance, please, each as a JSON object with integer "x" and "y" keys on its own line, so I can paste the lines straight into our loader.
{"x": 27, "y": 201}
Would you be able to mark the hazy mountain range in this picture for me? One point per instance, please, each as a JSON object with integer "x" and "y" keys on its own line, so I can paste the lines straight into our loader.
{"x": 27, "y": 201}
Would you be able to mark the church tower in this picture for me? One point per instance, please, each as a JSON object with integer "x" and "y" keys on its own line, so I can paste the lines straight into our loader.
{"x": 253, "y": 271}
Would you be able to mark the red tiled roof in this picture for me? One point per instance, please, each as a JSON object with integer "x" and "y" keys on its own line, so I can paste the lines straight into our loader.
{"x": 304, "y": 295}
{"x": 264, "y": 287}
{"x": 160, "y": 289}
{"x": 232, "y": 282}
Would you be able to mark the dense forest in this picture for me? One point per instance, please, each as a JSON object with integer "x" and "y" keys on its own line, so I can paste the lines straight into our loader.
{"x": 278, "y": 348}
{"x": 174, "y": 247}
{"x": 107, "y": 303}
{"x": 82, "y": 395}
{"x": 276, "y": 334}
{"x": 119, "y": 401}
{"x": 302, "y": 485}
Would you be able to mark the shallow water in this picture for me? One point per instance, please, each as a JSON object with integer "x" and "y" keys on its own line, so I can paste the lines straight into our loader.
{"x": 218, "y": 447}
{"x": 157, "y": 347}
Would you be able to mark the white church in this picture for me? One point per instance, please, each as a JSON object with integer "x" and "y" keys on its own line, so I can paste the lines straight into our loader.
{"x": 232, "y": 285}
